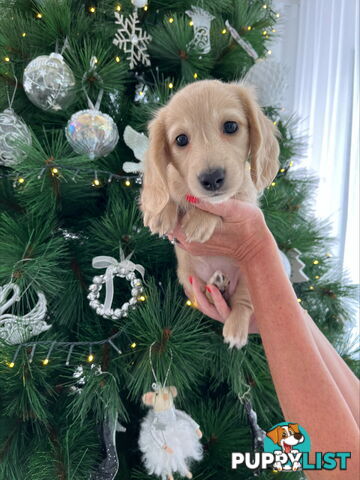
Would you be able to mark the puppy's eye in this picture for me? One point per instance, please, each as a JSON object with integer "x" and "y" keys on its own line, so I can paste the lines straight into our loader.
{"x": 182, "y": 140}
{"x": 230, "y": 127}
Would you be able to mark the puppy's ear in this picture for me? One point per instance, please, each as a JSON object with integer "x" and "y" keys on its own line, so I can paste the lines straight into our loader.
{"x": 295, "y": 427}
{"x": 264, "y": 147}
{"x": 155, "y": 192}
{"x": 274, "y": 435}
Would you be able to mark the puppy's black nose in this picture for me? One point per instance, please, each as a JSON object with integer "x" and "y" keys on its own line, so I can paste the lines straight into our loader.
{"x": 298, "y": 436}
{"x": 212, "y": 179}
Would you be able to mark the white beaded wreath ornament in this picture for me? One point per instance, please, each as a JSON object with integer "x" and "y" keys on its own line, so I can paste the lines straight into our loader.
{"x": 123, "y": 269}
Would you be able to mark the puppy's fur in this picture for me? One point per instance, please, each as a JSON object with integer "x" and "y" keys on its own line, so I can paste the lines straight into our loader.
{"x": 249, "y": 158}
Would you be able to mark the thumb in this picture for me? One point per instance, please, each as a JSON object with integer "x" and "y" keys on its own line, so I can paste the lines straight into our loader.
{"x": 224, "y": 209}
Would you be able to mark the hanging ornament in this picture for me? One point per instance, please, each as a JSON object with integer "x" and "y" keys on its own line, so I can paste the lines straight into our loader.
{"x": 141, "y": 93}
{"x": 15, "y": 329}
{"x": 49, "y": 83}
{"x": 268, "y": 77}
{"x": 202, "y": 23}
{"x": 139, "y": 3}
{"x": 123, "y": 269}
{"x": 13, "y": 133}
{"x": 91, "y": 132}
{"x": 169, "y": 438}
{"x": 132, "y": 39}
{"x": 139, "y": 143}
{"x": 294, "y": 266}
{"x": 109, "y": 467}
{"x": 241, "y": 41}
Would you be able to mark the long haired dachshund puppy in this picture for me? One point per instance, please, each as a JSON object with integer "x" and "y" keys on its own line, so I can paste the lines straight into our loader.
{"x": 211, "y": 141}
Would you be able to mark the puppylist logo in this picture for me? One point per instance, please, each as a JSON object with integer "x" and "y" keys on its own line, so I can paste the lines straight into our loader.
{"x": 287, "y": 448}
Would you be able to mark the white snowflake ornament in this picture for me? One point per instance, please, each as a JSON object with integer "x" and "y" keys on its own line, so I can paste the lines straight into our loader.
{"x": 132, "y": 39}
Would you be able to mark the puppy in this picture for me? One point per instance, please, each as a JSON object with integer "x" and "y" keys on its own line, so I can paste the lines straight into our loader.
{"x": 211, "y": 141}
{"x": 286, "y": 436}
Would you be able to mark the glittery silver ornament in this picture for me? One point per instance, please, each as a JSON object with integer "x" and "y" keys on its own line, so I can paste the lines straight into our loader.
{"x": 13, "y": 133}
{"x": 49, "y": 83}
{"x": 93, "y": 133}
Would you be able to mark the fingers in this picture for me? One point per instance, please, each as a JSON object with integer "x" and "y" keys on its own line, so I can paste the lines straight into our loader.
{"x": 224, "y": 209}
{"x": 203, "y": 303}
{"x": 220, "y": 304}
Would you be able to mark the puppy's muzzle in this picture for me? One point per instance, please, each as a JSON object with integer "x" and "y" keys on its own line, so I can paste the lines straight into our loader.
{"x": 212, "y": 180}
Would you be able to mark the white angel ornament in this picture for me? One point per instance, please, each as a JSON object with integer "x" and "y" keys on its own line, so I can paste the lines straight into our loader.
{"x": 139, "y": 143}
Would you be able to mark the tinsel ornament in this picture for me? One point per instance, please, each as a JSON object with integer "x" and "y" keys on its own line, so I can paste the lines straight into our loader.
{"x": 123, "y": 269}
{"x": 49, "y": 82}
{"x": 15, "y": 329}
{"x": 91, "y": 132}
{"x": 201, "y": 20}
{"x": 13, "y": 133}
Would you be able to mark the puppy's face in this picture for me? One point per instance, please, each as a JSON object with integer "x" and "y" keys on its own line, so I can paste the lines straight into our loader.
{"x": 286, "y": 436}
{"x": 208, "y": 137}
{"x": 216, "y": 138}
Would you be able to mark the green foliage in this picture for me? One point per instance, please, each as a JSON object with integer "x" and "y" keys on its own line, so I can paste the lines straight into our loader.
{"x": 52, "y": 223}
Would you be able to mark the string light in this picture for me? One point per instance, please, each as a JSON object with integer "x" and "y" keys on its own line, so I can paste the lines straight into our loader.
{"x": 90, "y": 357}
{"x": 23, "y": 34}
{"x": 54, "y": 171}
{"x": 188, "y": 303}
{"x": 277, "y": 15}
{"x": 45, "y": 362}
{"x": 21, "y": 180}
{"x": 223, "y": 31}
{"x": 118, "y": 8}
{"x": 282, "y": 170}
{"x": 92, "y": 9}
{"x": 191, "y": 23}
{"x": 127, "y": 183}
{"x": 171, "y": 20}
{"x": 316, "y": 262}
{"x": 291, "y": 164}
{"x": 264, "y": 6}
{"x": 273, "y": 184}
{"x": 275, "y": 122}
{"x": 117, "y": 59}
{"x": 11, "y": 364}
{"x": 146, "y": 8}
{"x": 195, "y": 75}
{"x": 96, "y": 182}
{"x": 299, "y": 300}
{"x": 311, "y": 287}
{"x": 133, "y": 345}
{"x": 264, "y": 32}
{"x": 142, "y": 298}
{"x": 39, "y": 15}
{"x": 171, "y": 85}
{"x": 273, "y": 30}
{"x": 317, "y": 277}
{"x": 6, "y": 59}
{"x": 269, "y": 52}
{"x": 328, "y": 254}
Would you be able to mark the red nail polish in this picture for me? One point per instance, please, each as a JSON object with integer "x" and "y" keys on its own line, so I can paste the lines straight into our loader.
{"x": 191, "y": 280}
{"x": 208, "y": 289}
{"x": 191, "y": 199}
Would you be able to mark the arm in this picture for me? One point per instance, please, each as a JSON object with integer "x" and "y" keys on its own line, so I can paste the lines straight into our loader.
{"x": 308, "y": 391}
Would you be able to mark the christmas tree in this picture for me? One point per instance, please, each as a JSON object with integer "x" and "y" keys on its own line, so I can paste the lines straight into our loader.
{"x": 86, "y": 329}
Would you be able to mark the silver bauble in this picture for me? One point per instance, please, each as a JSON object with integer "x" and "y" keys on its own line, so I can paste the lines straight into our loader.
{"x": 92, "y": 133}
{"x": 268, "y": 78}
{"x": 49, "y": 82}
{"x": 139, "y": 3}
{"x": 13, "y": 133}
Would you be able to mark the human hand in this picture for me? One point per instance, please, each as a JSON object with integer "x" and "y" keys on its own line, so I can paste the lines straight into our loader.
{"x": 219, "y": 310}
{"x": 242, "y": 234}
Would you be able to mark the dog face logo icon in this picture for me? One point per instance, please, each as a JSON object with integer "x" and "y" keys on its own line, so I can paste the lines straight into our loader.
{"x": 287, "y": 441}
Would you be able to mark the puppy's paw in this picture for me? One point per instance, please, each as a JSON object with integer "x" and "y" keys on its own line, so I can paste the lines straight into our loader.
{"x": 199, "y": 225}
{"x": 236, "y": 330}
{"x": 164, "y": 222}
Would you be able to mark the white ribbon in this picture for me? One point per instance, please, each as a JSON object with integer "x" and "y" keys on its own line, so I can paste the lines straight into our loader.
{"x": 241, "y": 41}
{"x": 112, "y": 265}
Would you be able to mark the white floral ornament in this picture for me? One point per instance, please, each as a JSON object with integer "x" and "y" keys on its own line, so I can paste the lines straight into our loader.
{"x": 139, "y": 143}
{"x": 15, "y": 329}
{"x": 123, "y": 269}
{"x": 202, "y": 23}
{"x": 132, "y": 39}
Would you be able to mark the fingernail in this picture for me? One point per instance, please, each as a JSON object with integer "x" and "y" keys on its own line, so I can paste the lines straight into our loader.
{"x": 191, "y": 199}
{"x": 191, "y": 280}
{"x": 208, "y": 289}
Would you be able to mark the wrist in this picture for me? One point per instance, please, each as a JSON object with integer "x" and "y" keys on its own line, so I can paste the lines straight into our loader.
{"x": 257, "y": 246}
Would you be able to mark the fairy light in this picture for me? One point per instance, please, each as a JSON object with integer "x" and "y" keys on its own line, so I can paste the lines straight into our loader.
{"x": 21, "y": 180}
{"x": 277, "y": 15}
{"x": 39, "y": 15}
{"x": 118, "y": 8}
{"x": 328, "y": 254}
{"x": 195, "y": 75}
{"x": 273, "y": 184}
{"x": 317, "y": 277}
{"x": 146, "y": 8}
{"x": 299, "y": 300}
{"x": 117, "y": 59}
{"x": 264, "y": 32}
{"x": 264, "y": 6}
{"x": 127, "y": 183}
{"x": 92, "y": 9}
{"x": 171, "y": 85}
{"x": 291, "y": 164}
{"x": 133, "y": 345}
{"x": 54, "y": 171}
{"x": 191, "y": 23}
{"x": 273, "y": 30}
{"x": 316, "y": 262}
{"x": 23, "y": 34}
{"x": 275, "y": 122}
{"x": 45, "y": 362}
{"x": 282, "y": 170}
{"x": 6, "y": 59}
{"x": 311, "y": 287}
{"x": 188, "y": 303}
{"x": 269, "y": 52}
{"x": 11, "y": 364}
{"x": 223, "y": 31}
{"x": 142, "y": 298}
{"x": 171, "y": 20}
